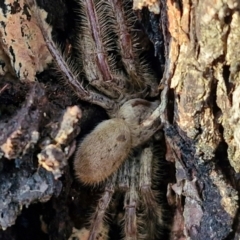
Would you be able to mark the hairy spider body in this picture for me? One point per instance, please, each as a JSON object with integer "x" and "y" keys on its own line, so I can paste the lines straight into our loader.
{"x": 112, "y": 145}
{"x": 111, "y": 62}
{"x": 114, "y": 140}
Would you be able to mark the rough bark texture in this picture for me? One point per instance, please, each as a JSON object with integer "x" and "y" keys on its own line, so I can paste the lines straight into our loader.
{"x": 200, "y": 89}
{"x": 202, "y": 74}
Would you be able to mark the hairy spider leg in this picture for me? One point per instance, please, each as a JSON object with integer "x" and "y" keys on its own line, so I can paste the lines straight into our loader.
{"x": 152, "y": 211}
{"x": 103, "y": 203}
{"x": 140, "y": 74}
{"x": 65, "y": 69}
{"x": 131, "y": 199}
{"x": 97, "y": 48}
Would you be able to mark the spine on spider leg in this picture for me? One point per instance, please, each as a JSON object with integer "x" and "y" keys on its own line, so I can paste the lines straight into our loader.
{"x": 97, "y": 220}
{"x": 66, "y": 67}
{"x": 128, "y": 42}
{"x": 151, "y": 208}
{"x": 96, "y": 42}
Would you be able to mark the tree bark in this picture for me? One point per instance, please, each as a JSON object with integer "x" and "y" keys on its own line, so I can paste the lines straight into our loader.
{"x": 202, "y": 131}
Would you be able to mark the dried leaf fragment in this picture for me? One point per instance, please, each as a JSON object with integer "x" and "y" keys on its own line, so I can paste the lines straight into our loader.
{"x": 22, "y": 40}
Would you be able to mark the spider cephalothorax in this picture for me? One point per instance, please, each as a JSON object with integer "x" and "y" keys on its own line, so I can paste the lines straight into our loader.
{"x": 118, "y": 79}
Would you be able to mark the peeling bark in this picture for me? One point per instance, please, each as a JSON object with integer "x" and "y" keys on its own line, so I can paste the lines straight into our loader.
{"x": 202, "y": 76}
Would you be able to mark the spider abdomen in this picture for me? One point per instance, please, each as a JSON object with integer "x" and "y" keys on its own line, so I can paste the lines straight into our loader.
{"x": 103, "y": 151}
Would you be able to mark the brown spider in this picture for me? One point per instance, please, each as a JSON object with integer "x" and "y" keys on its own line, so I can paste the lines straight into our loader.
{"x": 119, "y": 151}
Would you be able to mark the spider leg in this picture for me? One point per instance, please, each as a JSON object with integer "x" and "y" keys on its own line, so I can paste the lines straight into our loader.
{"x": 161, "y": 111}
{"x": 102, "y": 22}
{"x": 140, "y": 75}
{"x": 124, "y": 98}
{"x": 97, "y": 48}
{"x": 127, "y": 180}
{"x": 98, "y": 217}
{"x": 152, "y": 211}
{"x": 65, "y": 68}
{"x": 4, "y": 88}
{"x": 135, "y": 112}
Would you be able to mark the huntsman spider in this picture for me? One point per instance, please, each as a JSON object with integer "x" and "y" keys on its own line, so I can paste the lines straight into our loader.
{"x": 119, "y": 152}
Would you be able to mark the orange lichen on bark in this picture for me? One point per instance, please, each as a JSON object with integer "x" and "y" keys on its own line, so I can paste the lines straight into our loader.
{"x": 178, "y": 27}
{"x": 153, "y": 5}
{"x": 55, "y": 154}
{"x": 22, "y": 40}
{"x": 178, "y": 21}
{"x": 9, "y": 148}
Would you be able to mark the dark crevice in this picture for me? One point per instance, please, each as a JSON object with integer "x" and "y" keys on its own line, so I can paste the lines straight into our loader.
{"x": 215, "y": 222}
{"x": 228, "y": 16}
{"x": 170, "y": 106}
{"x": 229, "y": 85}
{"x": 152, "y": 27}
{"x": 216, "y": 110}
